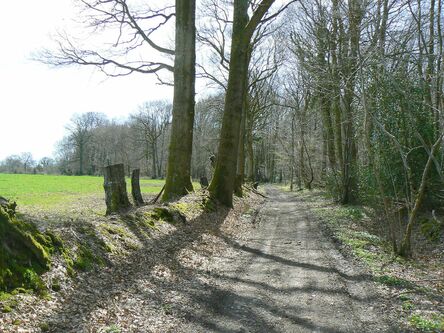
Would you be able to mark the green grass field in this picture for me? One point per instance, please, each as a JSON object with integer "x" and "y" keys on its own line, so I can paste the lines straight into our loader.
{"x": 47, "y": 191}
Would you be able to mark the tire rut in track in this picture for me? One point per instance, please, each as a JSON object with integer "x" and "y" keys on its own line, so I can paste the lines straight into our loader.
{"x": 288, "y": 277}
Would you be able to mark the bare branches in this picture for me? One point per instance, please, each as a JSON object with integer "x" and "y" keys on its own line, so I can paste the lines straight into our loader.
{"x": 69, "y": 55}
{"x": 213, "y": 35}
{"x": 133, "y": 23}
{"x": 216, "y": 25}
{"x": 132, "y": 30}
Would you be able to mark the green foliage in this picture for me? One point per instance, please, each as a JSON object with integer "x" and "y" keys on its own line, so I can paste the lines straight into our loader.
{"x": 167, "y": 308}
{"x": 85, "y": 259}
{"x": 393, "y": 281}
{"x": 7, "y": 301}
{"x": 368, "y": 188}
{"x": 116, "y": 230}
{"x": 148, "y": 221}
{"x": 342, "y": 213}
{"x": 56, "y": 285}
{"x": 399, "y": 106}
{"x": 171, "y": 214}
{"x": 208, "y": 204}
{"x": 189, "y": 208}
{"x": 69, "y": 262}
{"x": 5, "y": 296}
{"x": 332, "y": 184}
{"x": 112, "y": 329}
{"x": 431, "y": 229}
{"x": 368, "y": 247}
{"x": 404, "y": 297}
{"x": 360, "y": 243}
{"x": 433, "y": 324}
{"x": 6, "y": 309}
{"x": 44, "y": 327}
{"x": 408, "y": 305}
{"x": 32, "y": 280}
{"x": 162, "y": 214}
{"x": 370, "y": 238}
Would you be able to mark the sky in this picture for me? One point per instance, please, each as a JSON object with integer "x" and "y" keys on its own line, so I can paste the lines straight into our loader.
{"x": 37, "y": 101}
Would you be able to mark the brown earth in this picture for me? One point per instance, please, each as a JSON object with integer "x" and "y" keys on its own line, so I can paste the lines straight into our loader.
{"x": 240, "y": 270}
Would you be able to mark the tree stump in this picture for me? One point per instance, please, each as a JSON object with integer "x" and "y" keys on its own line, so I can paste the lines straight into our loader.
{"x": 116, "y": 197}
{"x": 203, "y": 182}
{"x": 135, "y": 188}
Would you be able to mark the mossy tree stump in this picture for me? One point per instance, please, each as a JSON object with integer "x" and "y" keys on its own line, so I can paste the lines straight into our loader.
{"x": 135, "y": 188}
{"x": 116, "y": 196}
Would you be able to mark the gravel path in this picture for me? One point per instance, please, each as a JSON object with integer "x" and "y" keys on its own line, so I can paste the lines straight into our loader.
{"x": 288, "y": 277}
{"x": 219, "y": 273}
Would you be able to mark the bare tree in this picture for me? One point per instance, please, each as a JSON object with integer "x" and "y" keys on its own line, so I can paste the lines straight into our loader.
{"x": 150, "y": 123}
{"x": 223, "y": 183}
{"x": 27, "y": 161}
{"x": 13, "y": 164}
{"x": 81, "y": 133}
{"x": 135, "y": 29}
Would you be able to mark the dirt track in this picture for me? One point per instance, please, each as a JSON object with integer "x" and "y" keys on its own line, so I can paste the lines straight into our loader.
{"x": 288, "y": 277}
{"x": 281, "y": 274}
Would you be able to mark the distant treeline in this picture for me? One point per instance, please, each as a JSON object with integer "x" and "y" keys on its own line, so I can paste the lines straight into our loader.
{"x": 93, "y": 141}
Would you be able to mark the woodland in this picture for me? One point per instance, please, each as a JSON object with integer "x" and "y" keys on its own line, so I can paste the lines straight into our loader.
{"x": 345, "y": 96}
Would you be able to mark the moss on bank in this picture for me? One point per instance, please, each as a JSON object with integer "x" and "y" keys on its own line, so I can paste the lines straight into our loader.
{"x": 25, "y": 252}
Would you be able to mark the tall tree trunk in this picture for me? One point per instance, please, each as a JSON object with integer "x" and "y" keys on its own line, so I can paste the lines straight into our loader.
{"x": 241, "y": 158}
{"x": 336, "y": 103}
{"x": 250, "y": 151}
{"x": 323, "y": 87}
{"x": 349, "y": 166}
{"x": 329, "y": 134}
{"x": 324, "y": 153}
{"x": 222, "y": 184}
{"x": 162, "y": 156}
{"x": 292, "y": 149}
{"x": 439, "y": 74}
{"x": 81, "y": 156}
{"x": 349, "y": 181}
{"x": 154, "y": 161}
{"x": 301, "y": 179}
{"x": 430, "y": 72}
{"x": 178, "y": 179}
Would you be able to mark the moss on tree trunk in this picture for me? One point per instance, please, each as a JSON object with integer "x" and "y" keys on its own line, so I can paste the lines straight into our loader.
{"x": 178, "y": 180}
